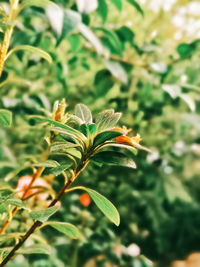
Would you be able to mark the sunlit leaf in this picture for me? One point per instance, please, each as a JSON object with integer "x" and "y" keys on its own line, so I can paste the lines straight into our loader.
{"x": 83, "y": 113}
{"x": 137, "y": 6}
{"x": 114, "y": 158}
{"x": 107, "y": 119}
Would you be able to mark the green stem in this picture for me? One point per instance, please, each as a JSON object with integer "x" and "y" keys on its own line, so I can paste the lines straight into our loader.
{"x": 8, "y": 34}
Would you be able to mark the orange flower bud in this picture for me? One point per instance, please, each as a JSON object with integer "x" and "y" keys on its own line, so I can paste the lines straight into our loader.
{"x": 124, "y": 140}
{"x": 85, "y": 200}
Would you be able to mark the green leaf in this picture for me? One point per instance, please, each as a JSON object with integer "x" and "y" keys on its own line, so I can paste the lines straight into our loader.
{"x": 92, "y": 128}
{"x": 105, "y": 136}
{"x": 111, "y": 41}
{"x": 117, "y": 4}
{"x": 58, "y": 170}
{"x": 47, "y": 164}
{"x": 32, "y": 49}
{"x": 71, "y": 21}
{"x": 104, "y": 205}
{"x": 16, "y": 202}
{"x": 44, "y": 214}
{"x": 62, "y": 146}
{"x": 107, "y": 119}
{"x": 103, "y": 82}
{"x": 68, "y": 229}
{"x": 5, "y": 117}
{"x": 102, "y": 10}
{"x": 37, "y": 3}
{"x": 136, "y": 6}
{"x": 36, "y": 249}
{"x": 114, "y": 158}
{"x": 83, "y": 113}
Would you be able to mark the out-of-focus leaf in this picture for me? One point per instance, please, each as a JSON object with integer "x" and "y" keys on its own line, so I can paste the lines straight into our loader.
{"x": 117, "y": 70}
{"x": 114, "y": 158}
{"x": 55, "y": 15}
{"x": 105, "y": 136}
{"x": 32, "y": 49}
{"x": 5, "y": 117}
{"x": 37, "y": 3}
{"x": 71, "y": 21}
{"x": 86, "y": 6}
{"x": 36, "y": 249}
{"x": 44, "y": 214}
{"x": 103, "y": 82}
{"x": 47, "y": 164}
{"x": 117, "y": 4}
{"x": 92, "y": 38}
{"x": 83, "y": 112}
{"x": 102, "y": 10}
{"x": 68, "y": 229}
{"x": 137, "y": 6}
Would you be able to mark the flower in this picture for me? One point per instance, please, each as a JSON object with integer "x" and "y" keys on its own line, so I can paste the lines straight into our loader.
{"x": 23, "y": 184}
{"x": 85, "y": 200}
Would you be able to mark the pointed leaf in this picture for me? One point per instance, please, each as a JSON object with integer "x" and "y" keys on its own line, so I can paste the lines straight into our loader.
{"x": 44, "y": 214}
{"x": 58, "y": 170}
{"x": 136, "y": 6}
{"x": 5, "y": 117}
{"x": 102, "y": 10}
{"x": 114, "y": 158}
{"x": 104, "y": 205}
{"x": 68, "y": 229}
{"x": 32, "y": 49}
{"x": 47, "y": 164}
{"x": 36, "y": 249}
{"x": 83, "y": 113}
{"x": 104, "y": 136}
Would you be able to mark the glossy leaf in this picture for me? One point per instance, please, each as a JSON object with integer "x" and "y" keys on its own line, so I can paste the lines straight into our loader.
{"x": 105, "y": 136}
{"x": 44, "y": 214}
{"x": 5, "y": 117}
{"x": 114, "y": 158}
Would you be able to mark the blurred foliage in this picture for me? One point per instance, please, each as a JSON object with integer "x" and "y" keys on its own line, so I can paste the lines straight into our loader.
{"x": 142, "y": 60}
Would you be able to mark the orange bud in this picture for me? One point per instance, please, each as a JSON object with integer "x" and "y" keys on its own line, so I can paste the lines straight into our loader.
{"x": 124, "y": 140}
{"x": 85, "y": 200}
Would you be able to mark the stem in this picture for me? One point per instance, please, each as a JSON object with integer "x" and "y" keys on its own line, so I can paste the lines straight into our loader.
{"x": 35, "y": 176}
{"x": 8, "y": 33}
{"x": 37, "y": 224}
